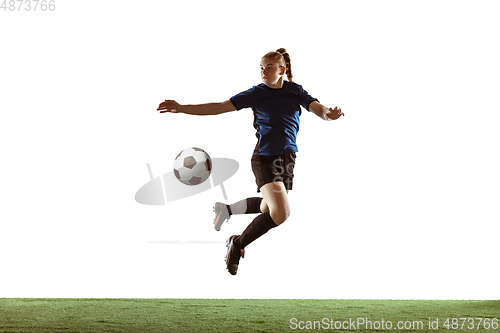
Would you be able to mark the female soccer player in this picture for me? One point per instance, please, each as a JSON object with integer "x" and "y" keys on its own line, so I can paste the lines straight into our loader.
{"x": 276, "y": 107}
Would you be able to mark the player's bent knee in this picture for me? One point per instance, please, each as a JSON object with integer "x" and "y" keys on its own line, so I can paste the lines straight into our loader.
{"x": 280, "y": 216}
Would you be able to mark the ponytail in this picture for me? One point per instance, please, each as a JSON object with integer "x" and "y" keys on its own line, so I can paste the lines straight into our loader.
{"x": 288, "y": 64}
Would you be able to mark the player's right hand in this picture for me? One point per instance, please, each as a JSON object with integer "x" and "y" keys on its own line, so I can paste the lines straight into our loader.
{"x": 168, "y": 106}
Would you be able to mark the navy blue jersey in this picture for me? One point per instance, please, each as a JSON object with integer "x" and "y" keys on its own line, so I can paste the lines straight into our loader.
{"x": 276, "y": 115}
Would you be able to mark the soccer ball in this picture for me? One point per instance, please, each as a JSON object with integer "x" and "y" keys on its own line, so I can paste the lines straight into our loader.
{"x": 192, "y": 166}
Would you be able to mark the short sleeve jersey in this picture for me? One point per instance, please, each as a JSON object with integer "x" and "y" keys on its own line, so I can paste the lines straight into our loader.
{"x": 276, "y": 115}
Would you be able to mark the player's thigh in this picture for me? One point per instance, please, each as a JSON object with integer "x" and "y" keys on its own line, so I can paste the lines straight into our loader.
{"x": 264, "y": 208}
{"x": 276, "y": 197}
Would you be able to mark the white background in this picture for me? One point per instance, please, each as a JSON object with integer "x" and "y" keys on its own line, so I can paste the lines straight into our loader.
{"x": 398, "y": 199}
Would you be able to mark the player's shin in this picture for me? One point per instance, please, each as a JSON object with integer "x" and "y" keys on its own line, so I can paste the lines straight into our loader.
{"x": 259, "y": 226}
{"x": 245, "y": 206}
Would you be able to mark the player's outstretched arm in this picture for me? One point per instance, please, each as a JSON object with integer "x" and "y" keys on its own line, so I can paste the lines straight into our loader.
{"x": 199, "y": 109}
{"x": 325, "y": 113}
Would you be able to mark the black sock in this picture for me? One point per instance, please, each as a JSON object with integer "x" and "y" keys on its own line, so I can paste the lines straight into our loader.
{"x": 259, "y": 226}
{"x": 245, "y": 206}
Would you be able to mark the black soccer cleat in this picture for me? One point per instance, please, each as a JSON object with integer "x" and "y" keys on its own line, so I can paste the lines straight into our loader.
{"x": 233, "y": 255}
{"x": 221, "y": 215}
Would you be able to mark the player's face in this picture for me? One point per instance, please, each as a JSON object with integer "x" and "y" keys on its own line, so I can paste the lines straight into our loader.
{"x": 271, "y": 72}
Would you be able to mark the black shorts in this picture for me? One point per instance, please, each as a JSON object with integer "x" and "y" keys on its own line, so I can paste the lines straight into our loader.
{"x": 277, "y": 168}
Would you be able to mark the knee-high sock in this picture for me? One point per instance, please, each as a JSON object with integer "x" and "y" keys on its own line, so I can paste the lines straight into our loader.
{"x": 259, "y": 226}
{"x": 245, "y": 206}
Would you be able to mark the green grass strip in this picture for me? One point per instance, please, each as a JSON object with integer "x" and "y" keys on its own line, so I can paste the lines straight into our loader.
{"x": 245, "y": 315}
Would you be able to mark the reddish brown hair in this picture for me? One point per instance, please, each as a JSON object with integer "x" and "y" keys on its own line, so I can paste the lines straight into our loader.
{"x": 281, "y": 56}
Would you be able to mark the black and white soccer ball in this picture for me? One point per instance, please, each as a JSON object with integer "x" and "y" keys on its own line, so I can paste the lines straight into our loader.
{"x": 192, "y": 166}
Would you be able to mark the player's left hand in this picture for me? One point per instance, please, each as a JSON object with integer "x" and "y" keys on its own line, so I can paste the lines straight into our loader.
{"x": 334, "y": 114}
